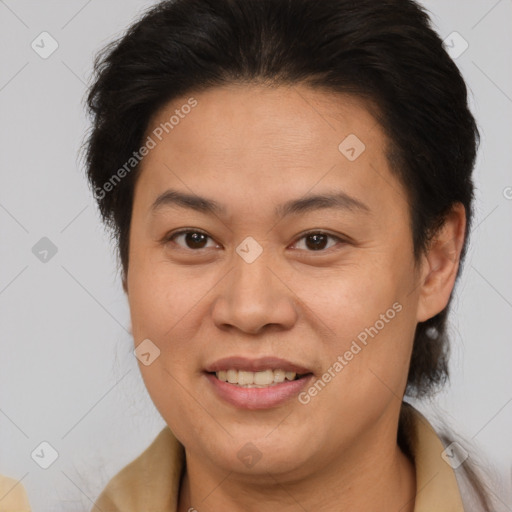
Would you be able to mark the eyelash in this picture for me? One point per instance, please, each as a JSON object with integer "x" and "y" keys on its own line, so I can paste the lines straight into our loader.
{"x": 170, "y": 237}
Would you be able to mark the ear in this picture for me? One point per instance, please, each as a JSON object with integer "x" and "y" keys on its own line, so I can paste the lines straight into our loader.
{"x": 440, "y": 264}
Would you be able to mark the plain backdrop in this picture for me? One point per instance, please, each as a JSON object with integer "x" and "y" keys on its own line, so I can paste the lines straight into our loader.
{"x": 68, "y": 376}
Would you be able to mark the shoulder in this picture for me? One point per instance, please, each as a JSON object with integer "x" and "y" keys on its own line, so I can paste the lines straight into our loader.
{"x": 150, "y": 482}
{"x": 13, "y": 497}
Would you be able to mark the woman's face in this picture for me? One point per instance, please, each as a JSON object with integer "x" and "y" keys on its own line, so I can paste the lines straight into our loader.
{"x": 299, "y": 259}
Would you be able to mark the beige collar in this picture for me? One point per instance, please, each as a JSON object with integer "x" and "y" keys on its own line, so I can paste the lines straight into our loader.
{"x": 144, "y": 483}
{"x": 436, "y": 484}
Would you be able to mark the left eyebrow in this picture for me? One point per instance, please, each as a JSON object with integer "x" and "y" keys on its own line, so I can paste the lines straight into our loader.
{"x": 338, "y": 200}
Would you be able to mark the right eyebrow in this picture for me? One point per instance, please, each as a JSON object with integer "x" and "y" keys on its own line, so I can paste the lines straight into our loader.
{"x": 176, "y": 198}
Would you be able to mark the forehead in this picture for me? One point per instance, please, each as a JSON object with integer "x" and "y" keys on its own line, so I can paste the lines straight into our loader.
{"x": 267, "y": 141}
{"x": 284, "y": 120}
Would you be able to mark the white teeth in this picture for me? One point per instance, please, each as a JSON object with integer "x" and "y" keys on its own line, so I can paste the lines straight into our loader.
{"x": 290, "y": 375}
{"x": 279, "y": 375}
{"x": 232, "y": 376}
{"x": 261, "y": 379}
{"x": 245, "y": 378}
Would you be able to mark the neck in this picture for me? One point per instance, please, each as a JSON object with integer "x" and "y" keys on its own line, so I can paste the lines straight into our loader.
{"x": 372, "y": 476}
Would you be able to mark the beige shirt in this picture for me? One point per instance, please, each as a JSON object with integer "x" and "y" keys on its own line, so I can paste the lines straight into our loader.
{"x": 12, "y": 496}
{"x": 151, "y": 482}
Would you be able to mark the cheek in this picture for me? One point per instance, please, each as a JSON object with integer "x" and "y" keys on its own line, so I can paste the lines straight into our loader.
{"x": 159, "y": 299}
{"x": 366, "y": 369}
{"x": 371, "y": 318}
{"x": 352, "y": 298}
{"x": 168, "y": 307}
{"x": 160, "y": 309}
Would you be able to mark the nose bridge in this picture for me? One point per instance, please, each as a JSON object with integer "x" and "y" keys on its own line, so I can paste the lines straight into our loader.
{"x": 251, "y": 269}
{"x": 253, "y": 296}
{"x": 252, "y": 282}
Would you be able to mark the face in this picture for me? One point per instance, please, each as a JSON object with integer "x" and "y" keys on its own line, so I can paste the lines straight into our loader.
{"x": 271, "y": 244}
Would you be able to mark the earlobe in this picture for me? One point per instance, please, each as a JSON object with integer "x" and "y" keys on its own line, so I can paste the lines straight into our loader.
{"x": 440, "y": 264}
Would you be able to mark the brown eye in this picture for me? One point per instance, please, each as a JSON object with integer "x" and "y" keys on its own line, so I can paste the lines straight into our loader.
{"x": 191, "y": 239}
{"x": 318, "y": 241}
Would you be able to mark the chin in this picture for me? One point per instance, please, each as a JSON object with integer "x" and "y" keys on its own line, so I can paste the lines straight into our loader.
{"x": 260, "y": 455}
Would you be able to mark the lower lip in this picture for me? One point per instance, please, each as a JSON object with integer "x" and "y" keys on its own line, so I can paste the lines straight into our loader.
{"x": 257, "y": 398}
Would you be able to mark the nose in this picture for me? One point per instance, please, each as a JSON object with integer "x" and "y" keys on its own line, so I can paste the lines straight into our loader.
{"x": 254, "y": 296}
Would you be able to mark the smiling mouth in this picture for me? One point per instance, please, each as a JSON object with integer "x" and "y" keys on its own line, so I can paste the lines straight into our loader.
{"x": 261, "y": 379}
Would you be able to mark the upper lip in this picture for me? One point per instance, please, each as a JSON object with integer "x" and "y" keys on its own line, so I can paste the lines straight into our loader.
{"x": 255, "y": 365}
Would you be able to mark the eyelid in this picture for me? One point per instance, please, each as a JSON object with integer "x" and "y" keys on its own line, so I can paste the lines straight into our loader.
{"x": 182, "y": 231}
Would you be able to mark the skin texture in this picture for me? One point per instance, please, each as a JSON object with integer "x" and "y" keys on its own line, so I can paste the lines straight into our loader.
{"x": 252, "y": 148}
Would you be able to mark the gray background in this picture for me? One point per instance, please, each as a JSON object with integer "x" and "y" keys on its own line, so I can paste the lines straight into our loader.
{"x": 67, "y": 372}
